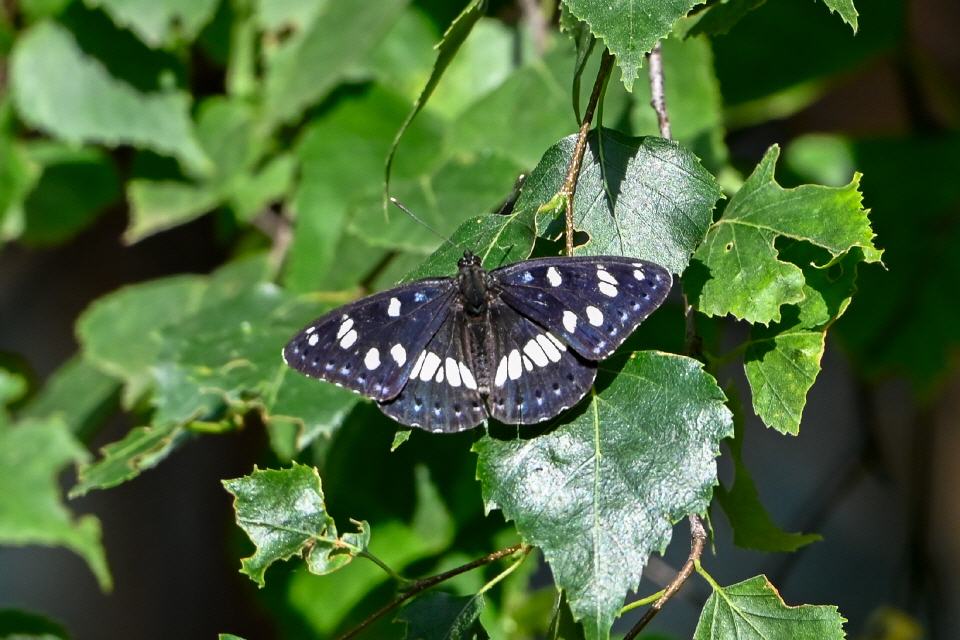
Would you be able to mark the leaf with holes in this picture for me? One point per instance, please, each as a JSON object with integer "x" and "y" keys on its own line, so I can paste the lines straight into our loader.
{"x": 753, "y": 610}
{"x": 599, "y": 492}
{"x": 738, "y": 269}
{"x": 782, "y": 361}
{"x": 284, "y": 513}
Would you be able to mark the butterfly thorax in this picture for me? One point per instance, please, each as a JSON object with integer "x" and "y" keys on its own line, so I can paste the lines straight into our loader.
{"x": 473, "y": 282}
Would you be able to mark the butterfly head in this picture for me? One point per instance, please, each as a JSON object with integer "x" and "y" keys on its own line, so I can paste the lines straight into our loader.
{"x": 468, "y": 260}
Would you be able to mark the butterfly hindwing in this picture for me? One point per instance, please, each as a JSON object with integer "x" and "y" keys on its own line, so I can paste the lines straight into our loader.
{"x": 533, "y": 376}
{"x": 370, "y": 346}
{"x": 442, "y": 393}
{"x": 592, "y": 303}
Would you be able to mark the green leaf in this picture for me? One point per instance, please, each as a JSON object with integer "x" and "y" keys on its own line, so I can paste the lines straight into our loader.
{"x": 32, "y": 454}
{"x": 12, "y": 388}
{"x": 356, "y": 133}
{"x": 159, "y": 22}
{"x": 458, "y": 189}
{"x": 746, "y": 277}
{"x": 503, "y": 122}
{"x": 753, "y": 528}
{"x": 499, "y": 240}
{"x": 753, "y": 609}
{"x": 600, "y": 492}
{"x": 229, "y": 136}
{"x": 156, "y": 206}
{"x": 227, "y": 357}
{"x": 629, "y": 28}
{"x": 23, "y": 625}
{"x": 846, "y": 10}
{"x": 283, "y": 513}
{"x": 75, "y": 186}
{"x": 290, "y": 14}
{"x": 18, "y": 175}
{"x": 60, "y": 90}
{"x": 447, "y": 48}
{"x": 643, "y": 197}
{"x": 119, "y": 332}
{"x": 782, "y": 361}
{"x": 141, "y": 449}
{"x": 79, "y": 394}
{"x": 252, "y": 193}
{"x": 341, "y": 34}
{"x": 441, "y": 616}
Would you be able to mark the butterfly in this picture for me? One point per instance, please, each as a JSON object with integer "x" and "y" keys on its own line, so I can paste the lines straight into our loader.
{"x": 519, "y": 343}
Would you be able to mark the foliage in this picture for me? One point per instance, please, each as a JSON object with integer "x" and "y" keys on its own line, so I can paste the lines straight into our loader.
{"x": 321, "y": 107}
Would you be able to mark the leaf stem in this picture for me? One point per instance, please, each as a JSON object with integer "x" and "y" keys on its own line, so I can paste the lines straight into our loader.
{"x": 642, "y": 602}
{"x": 425, "y": 583}
{"x": 658, "y": 99}
{"x": 503, "y": 574}
{"x": 698, "y": 538}
{"x": 383, "y": 565}
{"x": 569, "y": 188}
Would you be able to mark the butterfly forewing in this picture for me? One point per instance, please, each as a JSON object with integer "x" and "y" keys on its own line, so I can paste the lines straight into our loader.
{"x": 442, "y": 391}
{"x": 533, "y": 375}
{"x": 370, "y": 346}
{"x": 592, "y": 303}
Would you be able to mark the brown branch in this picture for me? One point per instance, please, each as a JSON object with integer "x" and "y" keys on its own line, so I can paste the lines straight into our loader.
{"x": 424, "y": 584}
{"x": 698, "y": 538}
{"x": 698, "y": 535}
{"x": 569, "y": 189}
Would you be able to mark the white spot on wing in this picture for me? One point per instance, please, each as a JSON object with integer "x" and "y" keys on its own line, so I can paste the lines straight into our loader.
{"x": 468, "y": 380}
{"x": 604, "y": 276}
{"x": 514, "y": 366}
{"x": 430, "y": 364}
{"x": 345, "y": 326}
{"x": 639, "y": 274}
{"x": 556, "y": 342}
{"x": 549, "y": 349}
{"x": 536, "y": 353}
{"x": 608, "y": 289}
{"x": 313, "y": 340}
{"x": 372, "y": 359}
{"x": 418, "y": 365}
{"x": 439, "y": 377}
{"x": 594, "y": 315}
{"x": 501, "y": 376}
{"x": 527, "y": 276}
{"x": 394, "y": 309}
{"x": 554, "y": 277}
{"x": 399, "y": 354}
{"x": 349, "y": 339}
{"x": 453, "y": 373}
{"x": 419, "y": 296}
{"x": 527, "y": 364}
{"x": 569, "y": 321}
{"x": 311, "y": 330}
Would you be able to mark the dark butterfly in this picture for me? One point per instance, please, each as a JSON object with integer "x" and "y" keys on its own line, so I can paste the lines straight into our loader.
{"x": 519, "y": 343}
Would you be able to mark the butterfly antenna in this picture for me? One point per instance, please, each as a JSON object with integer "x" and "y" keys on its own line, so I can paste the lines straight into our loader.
{"x": 401, "y": 206}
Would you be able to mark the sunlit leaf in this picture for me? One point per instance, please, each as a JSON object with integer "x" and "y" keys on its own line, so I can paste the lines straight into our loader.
{"x": 753, "y": 610}
{"x": 284, "y": 513}
{"x": 599, "y": 492}
{"x": 159, "y": 22}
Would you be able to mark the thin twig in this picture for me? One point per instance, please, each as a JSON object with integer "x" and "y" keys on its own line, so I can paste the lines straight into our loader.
{"x": 569, "y": 189}
{"x": 698, "y": 535}
{"x": 698, "y": 538}
{"x": 426, "y": 583}
{"x": 277, "y": 226}
{"x": 657, "y": 98}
